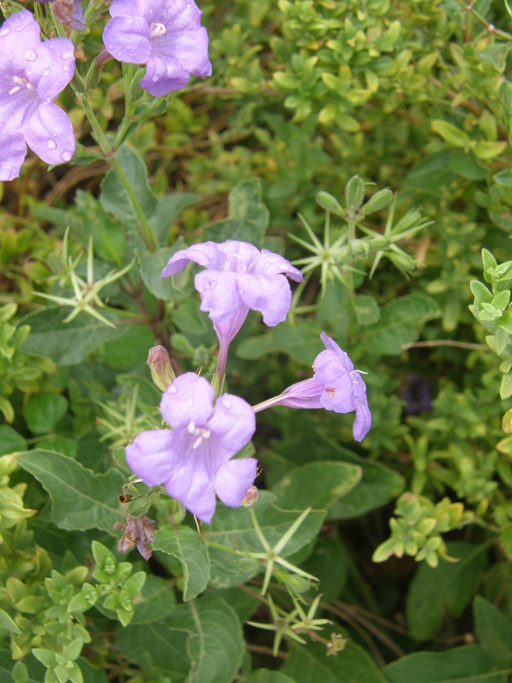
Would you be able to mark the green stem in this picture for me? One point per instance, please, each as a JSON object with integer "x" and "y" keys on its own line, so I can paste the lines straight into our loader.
{"x": 146, "y": 230}
{"x": 97, "y": 131}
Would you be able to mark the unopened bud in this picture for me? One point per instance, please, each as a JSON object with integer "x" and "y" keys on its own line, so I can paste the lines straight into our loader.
{"x": 251, "y": 497}
{"x": 162, "y": 373}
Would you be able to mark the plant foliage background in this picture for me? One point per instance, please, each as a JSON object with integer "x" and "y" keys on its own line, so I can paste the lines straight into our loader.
{"x": 369, "y": 143}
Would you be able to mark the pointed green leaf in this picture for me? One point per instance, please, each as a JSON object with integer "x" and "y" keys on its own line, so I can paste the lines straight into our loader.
{"x": 316, "y": 484}
{"x": 494, "y": 631}
{"x": 80, "y": 498}
{"x": 187, "y": 546}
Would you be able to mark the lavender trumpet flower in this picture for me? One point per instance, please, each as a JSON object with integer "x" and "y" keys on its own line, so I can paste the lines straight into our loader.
{"x": 334, "y": 386}
{"x": 193, "y": 460}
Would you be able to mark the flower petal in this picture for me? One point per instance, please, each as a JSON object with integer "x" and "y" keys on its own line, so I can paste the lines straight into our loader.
{"x": 271, "y": 295}
{"x": 12, "y": 154}
{"x": 233, "y": 423}
{"x": 49, "y": 134}
{"x": 54, "y": 68}
{"x": 219, "y": 294}
{"x": 191, "y": 483}
{"x": 151, "y": 456}
{"x": 206, "y": 254}
{"x": 188, "y": 400}
{"x": 20, "y": 30}
{"x": 189, "y": 49}
{"x": 127, "y": 39}
{"x": 162, "y": 78}
{"x": 273, "y": 264}
{"x": 305, "y": 394}
{"x": 234, "y": 479}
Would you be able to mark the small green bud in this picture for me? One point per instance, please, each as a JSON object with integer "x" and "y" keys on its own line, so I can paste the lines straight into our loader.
{"x": 379, "y": 201}
{"x": 329, "y": 203}
{"x": 354, "y": 192}
{"x": 159, "y": 363}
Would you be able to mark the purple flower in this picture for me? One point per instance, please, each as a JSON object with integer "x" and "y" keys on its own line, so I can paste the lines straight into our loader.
{"x": 335, "y": 386}
{"x": 32, "y": 74}
{"x": 166, "y": 35}
{"x": 193, "y": 460}
{"x": 69, "y": 13}
{"x": 238, "y": 277}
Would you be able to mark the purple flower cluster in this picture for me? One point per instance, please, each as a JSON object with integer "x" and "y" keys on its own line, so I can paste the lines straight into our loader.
{"x": 165, "y": 35}
{"x": 32, "y": 74}
{"x": 194, "y": 460}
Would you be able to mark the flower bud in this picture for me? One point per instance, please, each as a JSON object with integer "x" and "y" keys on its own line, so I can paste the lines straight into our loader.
{"x": 162, "y": 373}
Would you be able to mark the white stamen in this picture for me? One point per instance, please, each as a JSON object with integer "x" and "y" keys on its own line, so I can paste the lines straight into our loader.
{"x": 156, "y": 30}
{"x": 21, "y": 82}
{"x": 201, "y": 433}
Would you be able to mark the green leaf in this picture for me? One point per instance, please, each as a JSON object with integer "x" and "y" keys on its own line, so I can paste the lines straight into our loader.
{"x": 504, "y": 178}
{"x": 247, "y": 217}
{"x": 459, "y": 665}
{"x": 451, "y": 585}
{"x": 233, "y": 528}
{"x": 66, "y": 343}
{"x": 378, "y": 484}
{"x": 494, "y": 631}
{"x": 400, "y": 323}
{"x": 200, "y": 642}
{"x": 151, "y": 266}
{"x": 43, "y": 411}
{"x": 316, "y": 484}
{"x": 155, "y": 602}
{"x": 114, "y": 197}
{"x": 268, "y": 676}
{"x": 132, "y": 352}
{"x": 307, "y": 663}
{"x": 167, "y": 211}
{"x": 6, "y": 622}
{"x": 465, "y": 164}
{"x": 450, "y": 133}
{"x": 485, "y": 149}
{"x": 301, "y": 342}
{"x": 366, "y": 309}
{"x": 329, "y": 553}
{"x": 190, "y": 550}
{"x": 80, "y": 498}
{"x": 10, "y": 440}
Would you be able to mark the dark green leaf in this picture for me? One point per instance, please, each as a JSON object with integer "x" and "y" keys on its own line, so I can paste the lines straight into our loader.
{"x": 400, "y": 323}
{"x": 155, "y": 602}
{"x": 233, "y": 528}
{"x": 200, "y": 641}
{"x": 43, "y": 412}
{"x": 66, "y": 343}
{"x": 465, "y": 664}
{"x": 316, "y": 484}
{"x": 301, "y": 342}
{"x": 247, "y": 216}
{"x": 307, "y": 663}
{"x": 10, "y": 440}
{"x": 267, "y": 676}
{"x": 189, "y": 549}
{"x": 451, "y": 585}
{"x": 151, "y": 266}
{"x": 167, "y": 211}
{"x": 494, "y": 631}
{"x": 114, "y": 197}
{"x": 80, "y": 498}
